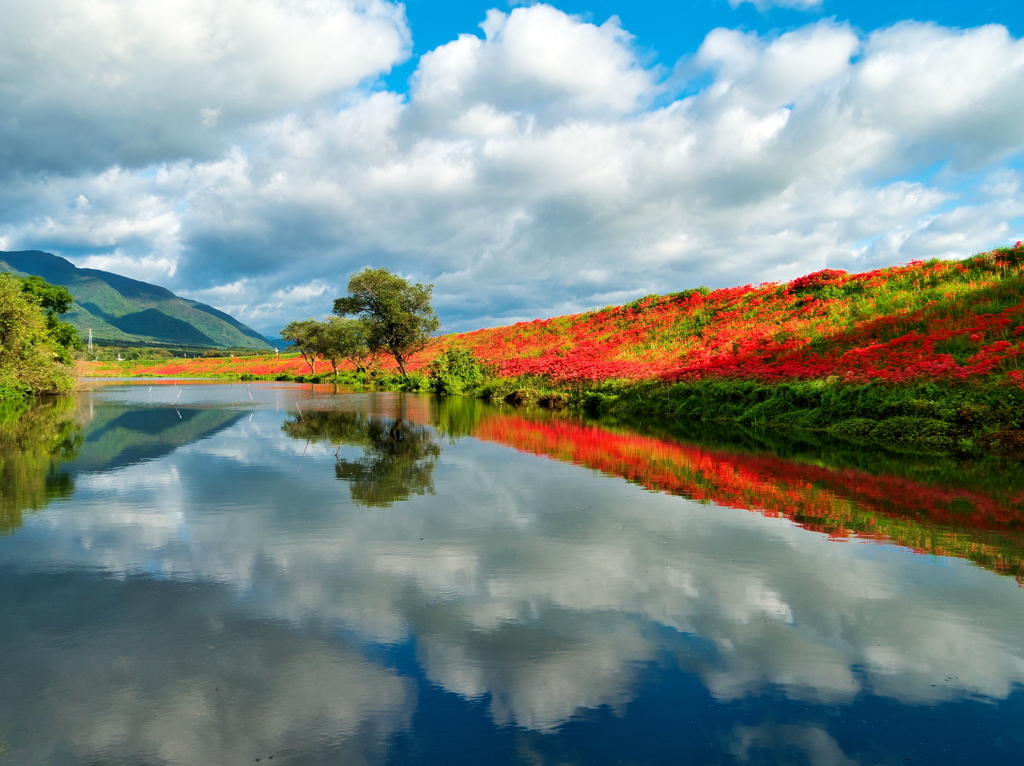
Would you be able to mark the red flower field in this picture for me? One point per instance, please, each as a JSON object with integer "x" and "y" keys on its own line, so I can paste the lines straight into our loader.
{"x": 940, "y": 320}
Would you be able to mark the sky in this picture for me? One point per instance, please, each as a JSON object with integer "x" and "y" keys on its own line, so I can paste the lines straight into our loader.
{"x": 527, "y": 159}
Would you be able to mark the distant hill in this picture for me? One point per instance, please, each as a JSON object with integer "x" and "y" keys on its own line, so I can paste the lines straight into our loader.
{"x": 126, "y": 311}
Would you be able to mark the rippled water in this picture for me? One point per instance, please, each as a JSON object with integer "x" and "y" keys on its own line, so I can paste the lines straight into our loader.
{"x": 228, "y": 574}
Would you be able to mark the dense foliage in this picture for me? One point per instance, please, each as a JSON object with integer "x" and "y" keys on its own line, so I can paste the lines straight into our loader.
{"x": 35, "y": 346}
{"x": 455, "y": 371}
{"x": 397, "y": 315}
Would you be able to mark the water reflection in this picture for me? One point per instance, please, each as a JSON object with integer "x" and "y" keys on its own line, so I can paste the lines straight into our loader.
{"x": 34, "y": 443}
{"x": 914, "y": 503}
{"x": 143, "y": 671}
{"x": 398, "y": 457}
{"x": 526, "y": 610}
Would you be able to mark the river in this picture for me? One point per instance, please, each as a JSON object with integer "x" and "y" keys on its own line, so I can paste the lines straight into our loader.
{"x": 209, "y": 573}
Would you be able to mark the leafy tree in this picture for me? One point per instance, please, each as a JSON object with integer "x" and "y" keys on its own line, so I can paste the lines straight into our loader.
{"x": 54, "y": 300}
{"x": 398, "y": 315}
{"x": 34, "y": 346}
{"x": 304, "y": 334}
{"x": 346, "y": 339}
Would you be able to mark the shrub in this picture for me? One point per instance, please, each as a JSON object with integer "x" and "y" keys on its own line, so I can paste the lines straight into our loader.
{"x": 456, "y": 371}
{"x": 30, "y": 356}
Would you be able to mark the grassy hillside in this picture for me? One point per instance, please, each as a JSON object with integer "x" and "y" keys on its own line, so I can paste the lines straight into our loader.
{"x": 935, "y": 321}
{"x": 947, "y": 321}
{"x": 126, "y": 311}
{"x": 922, "y": 355}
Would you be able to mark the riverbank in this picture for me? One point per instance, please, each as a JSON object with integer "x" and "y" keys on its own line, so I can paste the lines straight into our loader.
{"x": 923, "y": 356}
{"x": 969, "y": 418}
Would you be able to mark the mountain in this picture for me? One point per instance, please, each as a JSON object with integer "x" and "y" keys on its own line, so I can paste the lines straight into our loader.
{"x": 123, "y": 311}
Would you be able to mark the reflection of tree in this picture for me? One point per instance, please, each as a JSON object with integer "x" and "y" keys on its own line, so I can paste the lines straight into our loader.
{"x": 457, "y": 416}
{"x": 34, "y": 441}
{"x": 398, "y": 459}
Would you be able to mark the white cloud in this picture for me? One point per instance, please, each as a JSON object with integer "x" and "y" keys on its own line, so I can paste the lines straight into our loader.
{"x": 537, "y": 60}
{"x": 540, "y": 169}
{"x": 88, "y": 84}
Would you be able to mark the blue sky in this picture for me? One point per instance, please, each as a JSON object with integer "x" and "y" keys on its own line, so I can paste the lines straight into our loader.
{"x": 676, "y": 29}
{"x": 529, "y": 160}
{"x": 673, "y": 30}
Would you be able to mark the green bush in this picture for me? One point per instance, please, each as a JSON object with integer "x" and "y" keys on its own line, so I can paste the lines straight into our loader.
{"x": 456, "y": 371}
{"x": 32, "y": 359}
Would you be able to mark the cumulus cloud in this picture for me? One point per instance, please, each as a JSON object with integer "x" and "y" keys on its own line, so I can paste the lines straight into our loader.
{"x": 542, "y": 166}
{"x": 192, "y": 681}
{"x": 86, "y": 85}
{"x": 536, "y": 59}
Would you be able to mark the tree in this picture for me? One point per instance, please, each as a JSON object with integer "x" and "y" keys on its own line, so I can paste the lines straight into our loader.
{"x": 32, "y": 354}
{"x": 398, "y": 316}
{"x": 54, "y": 300}
{"x": 304, "y": 334}
{"x": 340, "y": 338}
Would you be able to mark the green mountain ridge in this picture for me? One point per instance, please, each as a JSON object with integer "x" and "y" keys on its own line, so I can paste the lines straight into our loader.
{"x": 121, "y": 310}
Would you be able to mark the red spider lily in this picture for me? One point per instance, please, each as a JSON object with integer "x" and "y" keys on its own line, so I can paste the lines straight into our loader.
{"x": 919, "y": 321}
{"x": 941, "y": 520}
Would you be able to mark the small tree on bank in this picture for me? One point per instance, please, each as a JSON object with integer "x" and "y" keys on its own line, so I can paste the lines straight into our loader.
{"x": 304, "y": 334}
{"x": 397, "y": 315}
{"x": 345, "y": 339}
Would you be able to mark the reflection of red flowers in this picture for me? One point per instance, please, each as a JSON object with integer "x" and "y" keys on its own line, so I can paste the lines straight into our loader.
{"x": 929, "y": 519}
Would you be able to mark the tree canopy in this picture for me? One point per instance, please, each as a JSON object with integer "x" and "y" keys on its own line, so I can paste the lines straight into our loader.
{"x": 304, "y": 334}
{"x": 333, "y": 339}
{"x": 341, "y": 338}
{"x": 35, "y": 345}
{"x": 397, "y": 314}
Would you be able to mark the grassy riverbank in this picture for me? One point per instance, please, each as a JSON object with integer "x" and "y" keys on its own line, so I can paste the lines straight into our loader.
{"x": 923, "y": 415}
{"x": 926, "y": 355}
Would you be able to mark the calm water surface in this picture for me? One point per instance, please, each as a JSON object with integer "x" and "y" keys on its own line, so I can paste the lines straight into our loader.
{"x": 228, "y": 574}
